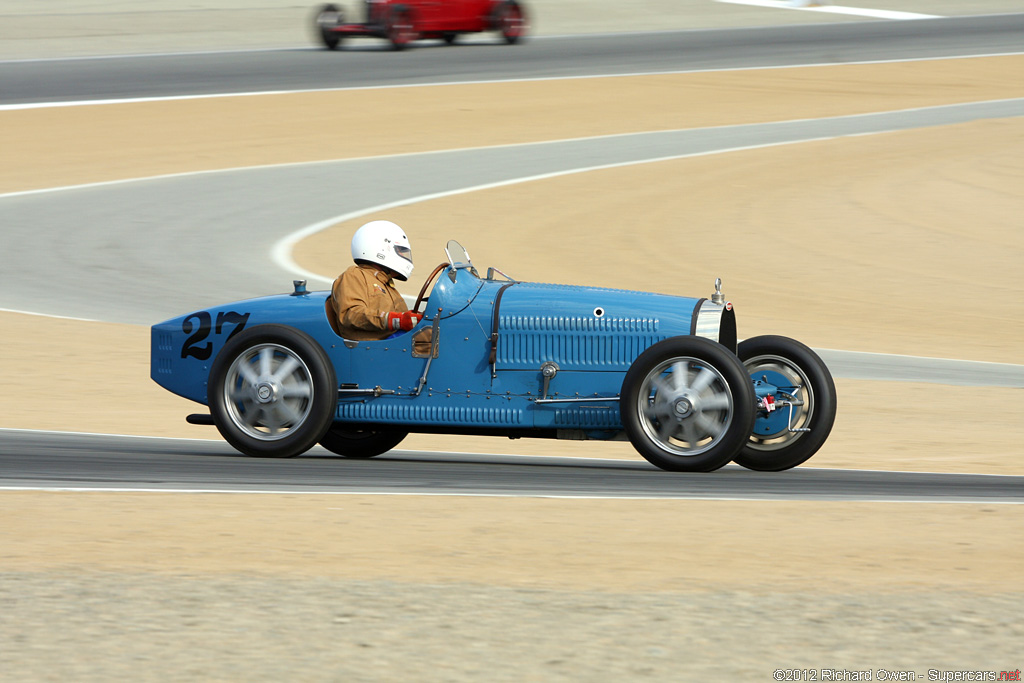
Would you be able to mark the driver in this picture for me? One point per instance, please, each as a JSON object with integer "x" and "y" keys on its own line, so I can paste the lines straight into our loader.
{"x": 366, "y": 302}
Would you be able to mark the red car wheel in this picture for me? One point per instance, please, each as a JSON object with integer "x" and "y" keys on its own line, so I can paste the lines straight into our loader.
{"x": 401, "y": 29}
{"x": 511, "y": 21}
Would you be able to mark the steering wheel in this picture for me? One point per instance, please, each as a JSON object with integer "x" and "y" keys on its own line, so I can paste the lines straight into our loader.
{"x": 426, "y": 285}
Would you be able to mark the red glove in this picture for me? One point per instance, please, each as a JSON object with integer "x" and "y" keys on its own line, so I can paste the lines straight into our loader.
{"x": 404, "y": 321}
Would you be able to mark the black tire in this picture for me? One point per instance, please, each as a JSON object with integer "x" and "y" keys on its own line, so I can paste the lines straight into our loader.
{"x": 272, "y": 392}
{"x": 350, "y": 441}
{"x": 326, "y": 17}
{"x": 401, "y": 29}
{"x": 510, "y": 20}
{"x": 687, "y": 405}
{"x": 771, "y": 447}
{"x": 449, "y": 37}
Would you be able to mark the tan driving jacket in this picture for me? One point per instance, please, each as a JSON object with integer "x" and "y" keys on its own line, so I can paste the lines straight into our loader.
{"x": 363, "y": 297}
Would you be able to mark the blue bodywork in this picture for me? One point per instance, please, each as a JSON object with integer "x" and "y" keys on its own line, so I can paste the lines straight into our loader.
{"x": 493, "y": 339}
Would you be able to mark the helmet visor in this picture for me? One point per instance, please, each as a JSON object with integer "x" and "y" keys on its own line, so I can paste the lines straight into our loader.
{"x": 404, "y": 252}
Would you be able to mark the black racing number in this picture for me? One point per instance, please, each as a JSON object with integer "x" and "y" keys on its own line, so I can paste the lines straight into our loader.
{"x": 231, "y": 318}
{"x": 191, "y": 346}
{"x": 194, "y": 346}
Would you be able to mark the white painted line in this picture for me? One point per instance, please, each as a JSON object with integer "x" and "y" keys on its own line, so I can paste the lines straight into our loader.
{"x": 547, "y": 496}
{"x": 812, "y": 6}
{"x": 47, "y": 315}
{"x": 173, "y": 98}
{"x": 169, "y": 98}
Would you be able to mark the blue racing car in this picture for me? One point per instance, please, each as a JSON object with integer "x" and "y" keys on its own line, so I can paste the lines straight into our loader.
{"x": 496, "y": 356}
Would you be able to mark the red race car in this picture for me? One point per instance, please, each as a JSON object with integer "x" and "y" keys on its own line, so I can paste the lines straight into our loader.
{"x": 403, "y": 21}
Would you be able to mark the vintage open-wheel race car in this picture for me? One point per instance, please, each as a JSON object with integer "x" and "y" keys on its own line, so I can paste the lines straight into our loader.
{"x": 496, "y": 356}
{"x": 403, "y": 21}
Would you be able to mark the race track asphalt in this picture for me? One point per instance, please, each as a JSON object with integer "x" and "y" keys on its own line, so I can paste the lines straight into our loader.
{"x": 116, "y": 463}
{"x": 372, "y": 65}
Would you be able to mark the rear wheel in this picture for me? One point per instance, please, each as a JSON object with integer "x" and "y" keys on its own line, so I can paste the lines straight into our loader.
{"x": 272, "y": 392}
{"x": 687, "y": 405}
{"x": 352, "y": 442}
{"x": 401, "y": 30}
{"x": 787, "y": 436}
{"x": 510, "y": 20}
{"x": 328, "y": 17}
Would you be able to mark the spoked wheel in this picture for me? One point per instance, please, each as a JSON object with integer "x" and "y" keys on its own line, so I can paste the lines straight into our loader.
{"x": 510, "y": 20}
{"x": 687, "y": 405}
{"x": 272, "y": 392}
{"x": 401, "y": 31}
{"x": 787, "y": 436}
{"x": 352, "y": 442}
{"x": 327, "y": 17}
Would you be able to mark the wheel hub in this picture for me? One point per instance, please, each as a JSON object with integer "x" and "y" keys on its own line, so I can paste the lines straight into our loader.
{"x": 682, "y": 407}
{"x": 266, "y": 392}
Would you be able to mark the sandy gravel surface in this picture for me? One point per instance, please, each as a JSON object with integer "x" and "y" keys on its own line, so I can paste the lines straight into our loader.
{"x": 185, "y": 587}
{"x": 253, "y": 628}
{"x": 96, "y": 587}
{"x": 619, "y": 545}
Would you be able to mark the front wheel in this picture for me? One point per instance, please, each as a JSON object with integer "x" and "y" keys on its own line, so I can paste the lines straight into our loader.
{"x": 790, "y": 434}
{"x": 687, "y": 405}
{"x": 272, "y": 392}
{"x": 350, "y": 441}
{"x": 328, "y": 17}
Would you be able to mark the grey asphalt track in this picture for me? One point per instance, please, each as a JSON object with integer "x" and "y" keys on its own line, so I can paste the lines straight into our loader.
{"x": 371, "y": 64}
{"x": 48, "y": 460}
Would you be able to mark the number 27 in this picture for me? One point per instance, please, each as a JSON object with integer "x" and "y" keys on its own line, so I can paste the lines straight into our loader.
{"x": 193, "y": 346}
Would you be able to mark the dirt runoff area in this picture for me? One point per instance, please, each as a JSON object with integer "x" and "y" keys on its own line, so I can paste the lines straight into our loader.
{"x": 906, "y": 242}
{"x": 380, "y": 588}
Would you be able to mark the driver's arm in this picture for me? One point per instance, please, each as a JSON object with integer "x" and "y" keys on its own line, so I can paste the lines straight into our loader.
{"x": 362, "y": 301}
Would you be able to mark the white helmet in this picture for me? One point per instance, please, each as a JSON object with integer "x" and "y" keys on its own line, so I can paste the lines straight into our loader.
{"x": 383, "y": 243}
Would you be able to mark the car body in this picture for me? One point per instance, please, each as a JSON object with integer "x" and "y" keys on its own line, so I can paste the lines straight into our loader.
{"x": 496, "y": 356}
{"x": 403, "y": 21}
